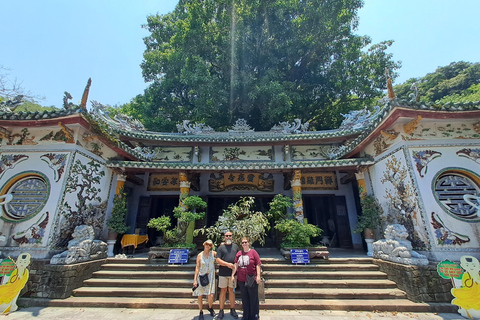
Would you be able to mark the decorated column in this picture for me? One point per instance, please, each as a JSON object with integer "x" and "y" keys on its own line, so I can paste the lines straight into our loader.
{"x": 112, "y": 235}
{"x": 184, "y": 192}
{"x": 297, "y": 195}
{"x": 362, "y": 189}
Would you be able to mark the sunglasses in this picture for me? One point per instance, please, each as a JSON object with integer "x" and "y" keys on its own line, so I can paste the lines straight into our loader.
{"x": 228, "y": 235}
{"x": 244, "y": 242}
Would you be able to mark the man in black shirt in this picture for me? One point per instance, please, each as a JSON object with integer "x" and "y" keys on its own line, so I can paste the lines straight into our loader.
{"x": 225, "y": 257}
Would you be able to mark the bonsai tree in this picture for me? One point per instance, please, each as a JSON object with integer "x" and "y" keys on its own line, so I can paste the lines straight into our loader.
{"x": 160, "y": 224}
{"x": 242, "y": 221}
{"x": 180, "y": 236}
{"x": 371, "y": 212}
{"x": 116, "y": 222}
{"x": 297, "y": 234}
{"x": 187, "y": 214}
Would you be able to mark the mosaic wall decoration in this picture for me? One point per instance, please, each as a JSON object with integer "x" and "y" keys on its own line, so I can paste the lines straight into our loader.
{"x": 23, "y": 138}
{"x": 241, "y": 181}
{"x": 384, "y": 141}
{"x": 173, "y": 154}
{"x": 423, "y": 158}
{"x": 310, "y": 152}
{"x": 163, "y": 182}
{"x": 444, "y": 235}
{"x": 83, "y": 181}
{"x": 402, "y": 203}
{"x": 241, "y": 154}
{"x": 472, "y": 154}
{"x": 33, "y": 234}
{"x": 434, "y": 131}
{"x": 9, "y": 161}
{"x": 449, "y": 188}
{"x": 319, "y": 181}
{"x": 57, "y": 162}
{"x": 30, "y": 191}
{"x": 65, "y": 134}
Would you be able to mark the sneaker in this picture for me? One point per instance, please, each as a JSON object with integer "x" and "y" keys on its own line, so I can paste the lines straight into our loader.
{"x": 200, "y": 317}
{"x": 221, "y": 314}
{"x": 233, "y": 313}
{"x": 212, "y": 313}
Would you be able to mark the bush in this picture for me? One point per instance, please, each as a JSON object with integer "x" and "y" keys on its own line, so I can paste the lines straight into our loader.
{"x": 116, "y": 223}
{"x": 371, "y": 212}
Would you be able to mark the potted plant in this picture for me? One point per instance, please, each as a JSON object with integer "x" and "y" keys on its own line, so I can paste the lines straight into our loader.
{"x": 116, "y": 223}
{"x": 188, "y": 214}
{"x": 369, "y": 220}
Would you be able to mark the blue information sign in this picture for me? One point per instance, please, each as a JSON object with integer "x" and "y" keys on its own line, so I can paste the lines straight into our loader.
{"x": 299, "y": 256}
{"x": 178, "y": 256}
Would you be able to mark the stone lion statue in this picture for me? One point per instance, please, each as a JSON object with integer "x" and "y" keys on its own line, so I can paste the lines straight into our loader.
{"x": 81, "y": 248}
{"x": 396, "y": 248}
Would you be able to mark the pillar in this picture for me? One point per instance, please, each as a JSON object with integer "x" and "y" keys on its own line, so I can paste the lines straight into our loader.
{"x": 297, "y": 195}
{"x": 184, "y": 192}
{"x": 121, "y": 178}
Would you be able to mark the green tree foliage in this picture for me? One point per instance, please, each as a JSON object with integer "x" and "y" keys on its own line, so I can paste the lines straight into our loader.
{"x": 214, "y": 61}
{"x": 457, "y": 82}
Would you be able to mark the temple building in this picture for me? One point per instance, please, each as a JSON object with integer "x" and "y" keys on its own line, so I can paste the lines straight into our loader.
{"x": 62, "y": 168}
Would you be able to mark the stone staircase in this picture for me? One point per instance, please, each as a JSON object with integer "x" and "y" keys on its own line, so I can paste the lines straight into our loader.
{"x": 350, "y": 284}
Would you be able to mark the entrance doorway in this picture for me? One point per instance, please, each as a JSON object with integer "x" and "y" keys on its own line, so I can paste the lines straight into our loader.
{"x": 329, "y": 213}
{"x": 154, "y": 207}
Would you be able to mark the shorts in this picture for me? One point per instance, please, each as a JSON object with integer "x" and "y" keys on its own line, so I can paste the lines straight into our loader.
{"x": 224, "y": 282}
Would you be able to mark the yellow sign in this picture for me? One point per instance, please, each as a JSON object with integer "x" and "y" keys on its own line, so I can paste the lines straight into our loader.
{"x": 319, "y": 181}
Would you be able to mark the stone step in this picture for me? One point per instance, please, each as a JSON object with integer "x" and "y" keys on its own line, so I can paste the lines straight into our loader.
{"x": 399, "y": 305}
{"x": 330, "y": 283}
{"x": 320, "y": 267}
{"x": 191, "y": 261}
{"x": 143, "y": 274}
{"x": 270, "y": 293}
{"x": 265, "y": 267}
{"x": 167, "y": 283}
{"x": 334, "y": 293}
{"x": 324, "y": 275}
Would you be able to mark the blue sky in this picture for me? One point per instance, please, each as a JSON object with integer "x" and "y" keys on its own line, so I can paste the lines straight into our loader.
{"x": 52, "y": 46}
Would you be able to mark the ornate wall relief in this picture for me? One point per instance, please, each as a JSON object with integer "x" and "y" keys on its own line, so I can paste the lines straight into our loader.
{"x": 57, "y": 162}
{"x": 30, "y": 191}
{"x": 65, "y": 134}
{"x": 444, "y": 235}
{"x": 33, "y": 234}
{"x": 384, "y": 141}
{"x": 310, "y": 152}
{"x": 441, "y": 131}
{"x": 9, "y": 161}
{"x": 84, "y": 181}
{"x": 241, "y": 181}
{"x": 402, "y": 203}
{"x": 225, "y": 154}
{"x": 173, "y": 154}
{"x": 423, "y": 158}
{"x": 472, "y": 154}
{"x": 449, "y": 187}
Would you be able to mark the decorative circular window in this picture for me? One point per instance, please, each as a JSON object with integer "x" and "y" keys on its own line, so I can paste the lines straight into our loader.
{"x": 27, "y": 194}
{"x": 449, "y": 188}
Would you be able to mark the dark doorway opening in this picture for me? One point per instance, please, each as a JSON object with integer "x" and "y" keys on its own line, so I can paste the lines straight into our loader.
{"x": 154, "y": 207}
{"x": 329, "y": 213}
